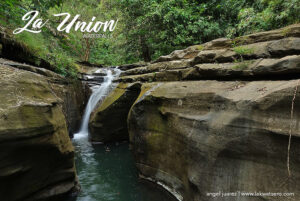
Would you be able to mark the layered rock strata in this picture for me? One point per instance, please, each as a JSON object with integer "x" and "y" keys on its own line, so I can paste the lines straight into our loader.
{"x": 109, "y": 121}
{"x": 216, "y": 117}
{"x": 37, "y": 109}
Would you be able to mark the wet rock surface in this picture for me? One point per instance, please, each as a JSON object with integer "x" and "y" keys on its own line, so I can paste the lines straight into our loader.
{"x": 216, "y": 117}
{"x": 209, "y": 136}
{"x": 109, "y": 122}
{"x": 37, "y": 109}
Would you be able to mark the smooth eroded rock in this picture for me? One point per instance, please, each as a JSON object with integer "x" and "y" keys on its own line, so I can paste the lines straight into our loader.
{"x": 109, "y": 121}
{"x": 201, "y": 137}
{"x": 36, "y": 154}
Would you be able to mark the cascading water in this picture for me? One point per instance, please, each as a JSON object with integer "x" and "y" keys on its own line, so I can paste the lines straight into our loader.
{"x": 108, "y": 174}
{"x": 84, "y": 149}
{"x": 98, "y": 94}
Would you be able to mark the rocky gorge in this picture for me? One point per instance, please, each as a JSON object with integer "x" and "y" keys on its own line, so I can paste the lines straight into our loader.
{"x": 211, "y": 118}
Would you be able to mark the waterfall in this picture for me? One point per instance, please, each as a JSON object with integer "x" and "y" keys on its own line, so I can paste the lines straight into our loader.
{"x": 98, "y": 94}
{"x": 107, "y": 175}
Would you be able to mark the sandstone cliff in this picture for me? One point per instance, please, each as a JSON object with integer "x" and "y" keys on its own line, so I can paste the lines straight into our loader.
{"x": 37, "y": 109}
{"x": 214, "y": 117}
{"x": 109, "y": 121}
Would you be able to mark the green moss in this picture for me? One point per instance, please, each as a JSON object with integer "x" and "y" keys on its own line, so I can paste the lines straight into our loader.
{"x": 200, "y": 47}
{"x": 31, "y": 117}
{"x": 113, "y": 97}
{"x": 240, "y": 41}
{"x": 238, "y": 60}
{"x": 242, "y": 65}
{"x": 154, "y": 140}
{"x": 152, "y": 77}
{"x": 158, "y": 127}
{"x": 286, "y": 31}
{"x": 242, "y": 50}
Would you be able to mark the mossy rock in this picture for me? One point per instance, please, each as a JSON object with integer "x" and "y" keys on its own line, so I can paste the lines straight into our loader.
{"x": 36, "y": 152}
{"x": 115, "y": 106}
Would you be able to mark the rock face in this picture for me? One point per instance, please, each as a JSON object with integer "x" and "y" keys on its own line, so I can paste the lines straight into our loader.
{"x": 216, "y": 118}
{"x": 71, "y": 92}
{"x": 109, "y": 122}
{"x": 36, "y": 154}
{"x": 208, "y": 136}
{"x": 249, "y": 57}
{"x": 74, "y": 96}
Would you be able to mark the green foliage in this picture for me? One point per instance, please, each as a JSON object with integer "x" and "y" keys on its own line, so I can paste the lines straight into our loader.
{"x": 243, "y": 65}
{"x": 47, "y": 45}
{"x": 146, "y": 29}
{"x": 242, "y": 50}
{"x": 154, "y": 27}
{"x": 157, "y": 27}
{"x": 10, "y": 11}
{"x": 268, "y": 14}
{"x": 45, "y": 5}
{"x": 51, "y": 50}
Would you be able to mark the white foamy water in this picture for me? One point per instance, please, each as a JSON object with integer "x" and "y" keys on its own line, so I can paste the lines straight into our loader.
{"x": 98, "y": 94}
{"x": 84, "y": 150}
{"x": 108, "y": 175}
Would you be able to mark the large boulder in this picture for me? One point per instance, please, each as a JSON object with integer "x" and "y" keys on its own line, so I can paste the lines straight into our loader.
{"x": 36, "y": 154}
{"x": 71, "y": 92}
{"x": 202, "y": 137}
{"x": 109, "y": 121}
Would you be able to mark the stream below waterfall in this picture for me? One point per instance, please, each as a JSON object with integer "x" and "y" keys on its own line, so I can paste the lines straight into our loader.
{"x": 108, "y": 172}
{"x": 112, "y": 175}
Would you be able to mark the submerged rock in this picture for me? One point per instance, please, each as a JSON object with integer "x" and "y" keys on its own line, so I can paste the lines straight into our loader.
{"x": 36, "y": 154}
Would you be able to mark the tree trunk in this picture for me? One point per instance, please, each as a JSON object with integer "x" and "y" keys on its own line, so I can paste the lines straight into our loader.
{"x": 145, "y": 50}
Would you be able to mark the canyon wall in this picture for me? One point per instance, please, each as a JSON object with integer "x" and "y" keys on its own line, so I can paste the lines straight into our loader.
{"x": 38, "y": 110}
{"x": 210, "y": 118}
{"x": 215, "y": 117}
